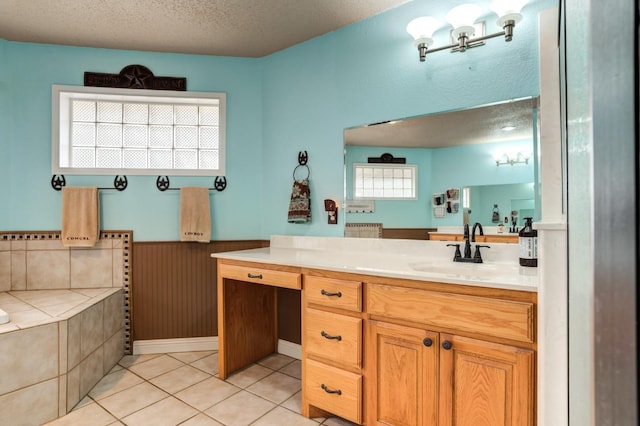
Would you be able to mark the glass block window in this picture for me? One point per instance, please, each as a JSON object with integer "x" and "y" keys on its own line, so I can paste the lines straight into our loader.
{"x": 138, "y": 132}
{"x": 384, "y": 181}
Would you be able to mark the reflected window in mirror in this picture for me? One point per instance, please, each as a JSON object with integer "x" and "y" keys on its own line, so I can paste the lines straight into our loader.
{"x": 384, "y": 182}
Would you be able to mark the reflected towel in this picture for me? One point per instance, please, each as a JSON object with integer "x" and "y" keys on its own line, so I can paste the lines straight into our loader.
{"x": 80, "y": 216}
{"x": 195, "y": 214}
{"x": 300, "y": 204}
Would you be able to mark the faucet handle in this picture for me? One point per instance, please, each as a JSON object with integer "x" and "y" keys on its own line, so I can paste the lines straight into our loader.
{"x": 457, "y": 254}
{"x": 477, "y": 256}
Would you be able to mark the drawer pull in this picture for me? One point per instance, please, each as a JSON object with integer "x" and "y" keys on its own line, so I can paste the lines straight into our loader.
{"x": 327, "y": 390}
{"x": 446, "y": 344}
{"x": 329, "y": 337}
{"x": 250, "y": 275}
{"x": 326, "y": 293}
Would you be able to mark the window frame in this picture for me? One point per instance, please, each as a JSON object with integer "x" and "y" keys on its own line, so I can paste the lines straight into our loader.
{"x": 414, "y": 180}
{"x": 62, "y": 97}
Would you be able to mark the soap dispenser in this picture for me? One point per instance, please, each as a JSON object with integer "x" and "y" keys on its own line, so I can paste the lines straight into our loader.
{"x": 528, "y": 241}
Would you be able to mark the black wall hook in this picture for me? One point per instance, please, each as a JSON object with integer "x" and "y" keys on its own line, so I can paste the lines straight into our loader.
{"x": 303, "y": 158}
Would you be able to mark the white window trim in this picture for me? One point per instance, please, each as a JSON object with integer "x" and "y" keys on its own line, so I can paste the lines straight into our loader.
{"x": 61, "y": 113}
{"x": 413, "y": 167}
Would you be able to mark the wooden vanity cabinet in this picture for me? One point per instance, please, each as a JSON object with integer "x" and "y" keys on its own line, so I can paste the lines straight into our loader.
{"x": 332, "y": 336}
{"x": 425, "y": 374}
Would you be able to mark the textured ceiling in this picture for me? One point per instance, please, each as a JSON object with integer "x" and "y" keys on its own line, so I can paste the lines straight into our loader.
{"x": 247, "y": 28}
{"x": 464, "y": 127}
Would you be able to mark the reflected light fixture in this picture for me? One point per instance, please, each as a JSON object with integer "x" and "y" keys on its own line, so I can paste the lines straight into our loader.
{"x": 511, "y": 159}
{"x": 462, "y": 18}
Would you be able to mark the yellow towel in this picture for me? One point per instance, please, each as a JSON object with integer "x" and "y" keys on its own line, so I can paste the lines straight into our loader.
{"x": 80, "y": 216}
{"x": 195, "y": 214}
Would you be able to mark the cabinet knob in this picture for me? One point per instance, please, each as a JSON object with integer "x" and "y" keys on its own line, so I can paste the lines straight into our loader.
{"x": 327, "y": 390}
{"x": 427, "y": 342}
{"x": 446, "y": 344}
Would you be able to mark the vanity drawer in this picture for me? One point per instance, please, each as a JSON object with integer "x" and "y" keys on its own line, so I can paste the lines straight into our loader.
{"x": 261, "y": 276}
{"x": 486, "y": 315}
{"x": 342, "y": 294}
{"x": 334, "y": 390}
{"x": 334, "y": 337}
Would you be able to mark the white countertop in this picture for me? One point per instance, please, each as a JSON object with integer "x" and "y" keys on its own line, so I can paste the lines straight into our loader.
{"x": 409, "y": 259}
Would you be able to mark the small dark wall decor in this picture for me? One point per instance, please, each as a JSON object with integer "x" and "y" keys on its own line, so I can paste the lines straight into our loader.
{"x": 134, "y": 77}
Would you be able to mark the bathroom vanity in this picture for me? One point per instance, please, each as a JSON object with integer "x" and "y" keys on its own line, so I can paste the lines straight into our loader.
{"x": 393, "y": 331}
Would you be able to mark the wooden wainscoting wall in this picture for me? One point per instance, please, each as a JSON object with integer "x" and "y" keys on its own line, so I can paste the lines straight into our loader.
{"x": 174, "y": 291}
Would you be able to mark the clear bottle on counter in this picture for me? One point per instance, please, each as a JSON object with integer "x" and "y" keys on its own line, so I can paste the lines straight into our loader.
{"x": 528, "y": 241}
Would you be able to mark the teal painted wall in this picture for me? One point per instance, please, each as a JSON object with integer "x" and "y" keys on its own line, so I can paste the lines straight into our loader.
{"x": 370, "y": 72}
{"x": 297, "y": 99}
{"x": 29, "y": 72}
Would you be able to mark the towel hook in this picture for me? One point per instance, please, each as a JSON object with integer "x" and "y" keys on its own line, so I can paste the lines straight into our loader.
{"x": 303, "y": 158}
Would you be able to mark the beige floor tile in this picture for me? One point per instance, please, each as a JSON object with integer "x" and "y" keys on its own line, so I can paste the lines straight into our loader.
{"x": 276, "y": 388}
{"x": 275, "y": 361}
{"x": 91, "y": 414}
{"x": 249, "y": 375}
{"x": 283, "y": 417}
{"x": 294, "y": 403}
{"x": 179, "y": 379}
{"x": 207, "y": 393}
{"x": 201, "y": 420}
{"x": 337, "y": 421}
{"x": 129, "y": 360}
{"x": 169, "y": 411}
{"x": 155, "y": 367}
{"x": 84, "y": 401}
{"x": 208, "y": 364}
{"x": 113, "y": 383}
{"x": 130, "y": 400}
{"x": 189, "y": 357}
{"x": 240, "y": 409}
{"x": 293, "y": 369}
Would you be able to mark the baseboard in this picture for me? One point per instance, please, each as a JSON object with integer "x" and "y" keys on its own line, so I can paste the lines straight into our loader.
{"x": 290, "y": 349}
{"x": 161, "y": 346}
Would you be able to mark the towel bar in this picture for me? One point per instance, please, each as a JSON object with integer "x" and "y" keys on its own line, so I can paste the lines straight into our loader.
{"x": 119, "y": 182}
{"x": 219, "y": 184}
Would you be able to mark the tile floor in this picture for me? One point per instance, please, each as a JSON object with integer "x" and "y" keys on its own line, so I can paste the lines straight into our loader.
{"x": 183, "y": 389}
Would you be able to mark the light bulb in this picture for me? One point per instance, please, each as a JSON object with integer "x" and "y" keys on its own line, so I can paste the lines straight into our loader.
{"x": 462, "y": 19}
{"x": 508, "y": 10}
{"x": 422, "y": 29}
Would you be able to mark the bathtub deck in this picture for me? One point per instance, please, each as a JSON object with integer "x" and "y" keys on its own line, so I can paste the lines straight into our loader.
{"x": 31, "y": 308}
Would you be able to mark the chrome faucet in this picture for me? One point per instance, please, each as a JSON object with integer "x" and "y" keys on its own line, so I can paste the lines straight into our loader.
{"x": 473, "y": 233}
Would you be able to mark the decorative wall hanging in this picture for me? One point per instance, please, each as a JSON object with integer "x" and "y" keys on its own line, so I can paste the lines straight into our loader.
{"x": 134, "y": 77}
{"x": 387, "y": 158}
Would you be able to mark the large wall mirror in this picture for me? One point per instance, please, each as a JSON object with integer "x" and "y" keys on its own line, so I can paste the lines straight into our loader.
{"x": 472, "y": 165}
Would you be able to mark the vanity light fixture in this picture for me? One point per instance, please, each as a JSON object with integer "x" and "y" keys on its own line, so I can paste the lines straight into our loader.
{"x": 511, "y": 159}
{"x": 462, "y": 18}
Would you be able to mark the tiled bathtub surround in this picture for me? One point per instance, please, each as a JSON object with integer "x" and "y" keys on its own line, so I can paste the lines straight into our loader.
{"x": 39, "y": 261}
{"x": 69, "y": 321}
{"x": 51, "y": 360}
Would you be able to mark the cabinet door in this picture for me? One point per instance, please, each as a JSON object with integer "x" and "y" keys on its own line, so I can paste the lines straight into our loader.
{"x": 485, "y": 384}
{"x": 403, "y": 386}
